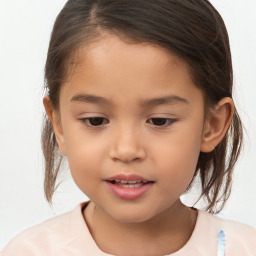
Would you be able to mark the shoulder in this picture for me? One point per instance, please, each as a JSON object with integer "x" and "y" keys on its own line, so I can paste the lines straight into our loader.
{"x": 48, "y": 237}
{"x": 40, "y": 237}
{"x": 240, "y": 238}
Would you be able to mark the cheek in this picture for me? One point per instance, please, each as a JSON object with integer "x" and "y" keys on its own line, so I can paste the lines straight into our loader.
{"x": 84, "y": 163}
{"x": 181, "y": 146}
{"x": 81, "y": 144}
{"x": 84, "y": 158}
{"x": 177, "y": 158}
{"x": 177, "y": 173}
{"x": 85, "y": 155}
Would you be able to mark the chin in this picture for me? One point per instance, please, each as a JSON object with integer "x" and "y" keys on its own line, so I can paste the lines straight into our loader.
{"x": 131, "y": 215}
{"x": 131, "y": 219}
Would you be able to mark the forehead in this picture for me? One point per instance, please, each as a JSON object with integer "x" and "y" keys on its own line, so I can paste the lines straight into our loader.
{"x": 118, "y": 50}
{"x": 126, "y": 48}
{"x": 115, "y": 68}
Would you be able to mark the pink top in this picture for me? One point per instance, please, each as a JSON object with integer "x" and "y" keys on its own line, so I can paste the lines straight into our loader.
{"x": 68, "y": 234}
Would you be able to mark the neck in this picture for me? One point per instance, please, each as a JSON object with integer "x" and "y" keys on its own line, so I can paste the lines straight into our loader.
{"x": 163, "y": 234}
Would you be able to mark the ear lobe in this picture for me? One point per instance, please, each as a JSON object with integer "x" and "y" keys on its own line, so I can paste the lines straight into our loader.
{"x": 217, "y": 124}
{"x": 56, "y": 123}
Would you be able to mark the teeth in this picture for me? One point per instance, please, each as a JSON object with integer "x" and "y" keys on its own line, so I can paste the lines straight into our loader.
{"x": 130, "y": 181}
{"x": 131, "y": 186}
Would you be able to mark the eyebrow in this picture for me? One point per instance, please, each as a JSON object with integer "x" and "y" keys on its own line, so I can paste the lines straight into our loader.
{"x": 88, "y": 98}
{"x": 164, "y": 100}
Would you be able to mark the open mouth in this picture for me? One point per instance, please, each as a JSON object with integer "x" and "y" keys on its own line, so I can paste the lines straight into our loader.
{"x": 129, "y": 183}
{"x": 129, "y": 187}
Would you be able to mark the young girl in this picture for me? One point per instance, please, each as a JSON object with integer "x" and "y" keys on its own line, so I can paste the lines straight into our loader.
{"x": 139, "y": 100}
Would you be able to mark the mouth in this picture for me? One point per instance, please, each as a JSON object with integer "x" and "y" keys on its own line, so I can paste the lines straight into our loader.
{"x": 129, "y": 183}
{"x": 129, "y": 187}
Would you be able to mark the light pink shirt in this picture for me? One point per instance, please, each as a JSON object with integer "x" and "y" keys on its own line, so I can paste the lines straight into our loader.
{"x": 68, "y": 234}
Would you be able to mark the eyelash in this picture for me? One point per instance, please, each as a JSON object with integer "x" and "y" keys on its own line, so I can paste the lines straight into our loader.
{"x": 88, "y": 121}
{"x": 168, "y": 121}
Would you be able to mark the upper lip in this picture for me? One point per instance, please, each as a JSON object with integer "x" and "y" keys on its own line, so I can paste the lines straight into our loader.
{"x": 127, "y": 177}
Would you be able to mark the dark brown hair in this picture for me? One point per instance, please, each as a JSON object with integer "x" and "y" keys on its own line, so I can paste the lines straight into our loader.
{"x": 191, "y": 29}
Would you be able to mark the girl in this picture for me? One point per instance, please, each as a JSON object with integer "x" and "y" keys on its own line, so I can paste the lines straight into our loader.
{"x": 139, "y": 100}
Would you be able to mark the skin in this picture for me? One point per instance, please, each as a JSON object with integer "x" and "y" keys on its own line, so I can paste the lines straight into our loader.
{"x": 128, "y": 141}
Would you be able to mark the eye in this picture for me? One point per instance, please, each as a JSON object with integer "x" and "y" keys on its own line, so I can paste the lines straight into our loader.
{"x": 94, "y": 121}
{"x": 161, "y": 121}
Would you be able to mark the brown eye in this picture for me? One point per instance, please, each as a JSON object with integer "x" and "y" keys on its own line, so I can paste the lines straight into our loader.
{"x": 95, "y": 121}
{"x": 160, "y": 121}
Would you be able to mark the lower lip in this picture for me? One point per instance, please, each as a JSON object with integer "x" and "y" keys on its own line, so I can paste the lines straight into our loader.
{"x": 129, "y": 193}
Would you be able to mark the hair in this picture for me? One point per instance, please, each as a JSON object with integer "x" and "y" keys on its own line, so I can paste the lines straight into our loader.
{"x": 193, "y": 30}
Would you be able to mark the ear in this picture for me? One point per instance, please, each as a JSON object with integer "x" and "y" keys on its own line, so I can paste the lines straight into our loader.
{"x": 54, "y": 117}
{"x": 217, "y": 124}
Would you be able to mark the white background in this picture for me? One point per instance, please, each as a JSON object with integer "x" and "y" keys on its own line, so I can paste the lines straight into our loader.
{"x": 25, "y": 27}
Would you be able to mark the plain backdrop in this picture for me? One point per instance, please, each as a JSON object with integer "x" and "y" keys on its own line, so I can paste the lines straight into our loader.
{"x": 25, "y": 27}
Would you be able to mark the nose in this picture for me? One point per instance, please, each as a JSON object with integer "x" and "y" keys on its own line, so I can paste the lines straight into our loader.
{"x": 127, "y": 146}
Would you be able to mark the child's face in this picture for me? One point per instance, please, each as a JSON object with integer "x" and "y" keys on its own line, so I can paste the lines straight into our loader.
{"x": 150, "y": 123}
